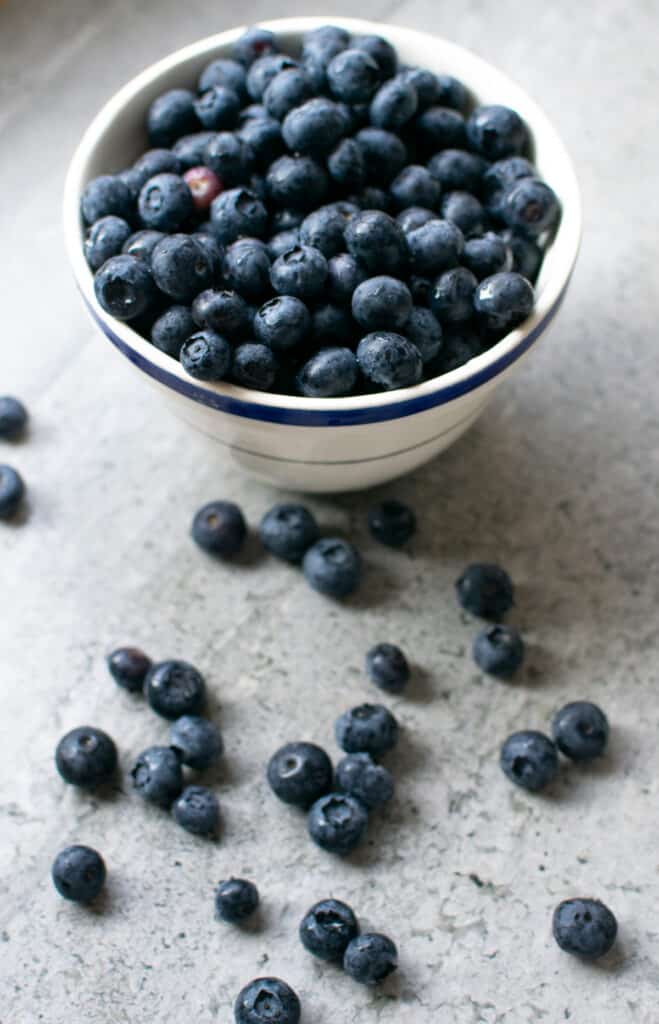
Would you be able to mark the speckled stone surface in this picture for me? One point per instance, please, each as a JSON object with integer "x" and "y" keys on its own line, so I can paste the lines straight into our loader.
{"x": 558, "y": 482}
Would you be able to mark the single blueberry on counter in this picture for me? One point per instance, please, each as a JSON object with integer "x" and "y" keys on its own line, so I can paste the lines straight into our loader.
{"x": 387, "y": 667}
{"x": 197, "y": 741}
{"x": 337, "y": 823}
{"x": 288, "y": 530}
{"x": 584, "y": 928}
{"x": 580, "y": 730}
{"x": 392, "y": 523}
{"x": 174, "y": 688}
{"x": 206, "y": 355}
{"x": 172, "y": 329}
{"x": 157, "y": 776}
{"x": 300, "y": 773}
{"x": 220, "y": 527}
{"x": 485, "y": 590}
{"x": 13, "y": 418}
{"x": 236, "y": 899}
{"x": 327, "y": 928}
{"x": 499, "y": 651}
{"x": 529, "y": 759}
{"x": 368, "y": 728}
{"x": 333, "y": 567}
{"x": 78, "y": 873}
{"x": 389, "y": 360}
{"x": 370, "y": 958}
{"x": 86, "y": 757}
{"x": 197, "y": 811}
{"x": 128, "y": 667}
{"x": 12, "y": 491}
{"x": 370, "y": 783}
{"x": 124, "y": 287}
{"x": 267, "y": 1001}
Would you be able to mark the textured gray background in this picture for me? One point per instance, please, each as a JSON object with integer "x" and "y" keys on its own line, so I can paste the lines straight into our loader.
{"x": 558, "y": 481}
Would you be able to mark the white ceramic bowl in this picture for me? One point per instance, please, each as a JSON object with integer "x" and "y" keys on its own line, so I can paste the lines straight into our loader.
{"x": 335, "y": 444}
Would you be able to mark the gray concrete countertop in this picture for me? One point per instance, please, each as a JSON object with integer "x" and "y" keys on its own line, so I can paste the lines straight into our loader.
{"x": 558, "y": 481}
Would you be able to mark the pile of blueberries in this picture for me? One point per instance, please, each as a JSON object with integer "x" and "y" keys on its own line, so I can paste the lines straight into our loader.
{"x": 13, "y": 422}
{"x": 324, "y": 224}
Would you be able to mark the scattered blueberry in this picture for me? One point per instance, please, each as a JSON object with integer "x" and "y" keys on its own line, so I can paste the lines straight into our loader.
{"x": 12, "y": 491}
{"x": 206, "y": 355}
{"x": 78, "y": 873}
{"x": 236, "y": 899}
{"x": 287, "y": 531}
{"x": 197, "y": 741}
{"x": 157, "y": 776}
{"x": 584, "y": 928}
{"x": 172, "y": 329}
{"x": 368, "y": 728}
{"x": 220, "y": 528}
{"x": 327, "y": 928}
{"x": 124, "y": 287}
{"x": 86, "y": 757}
{"x": 180, "y": 264}
{"x": 13, "y": 418}
{"x": 128, "y": 667}
{"x": 267, "y": 1001}
{"x": 174, "y": 688}
{"x": 387, "y": 666}
{"x": 370, "y": 958}
{"x": 300, "y": 773}
{"x": 580, "y": 730}
{"x": 370, "y": 783}
{"x": 530, "y": 760}
{"x": 485, "y": 590}
{"x": 333, "y": 567}
{"x": 499, "y": 651}
{"x": 389, "y": 360}
{"x": 392, "y": 523}
{"x": 337, "y": 823}
{"x": 197, "y": 810}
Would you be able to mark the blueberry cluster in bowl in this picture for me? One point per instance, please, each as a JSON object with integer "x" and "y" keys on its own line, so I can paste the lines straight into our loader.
{"x": 323, "y": 224}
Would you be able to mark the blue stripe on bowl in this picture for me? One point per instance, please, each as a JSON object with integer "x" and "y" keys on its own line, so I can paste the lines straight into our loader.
{"x": 332, "y": 418}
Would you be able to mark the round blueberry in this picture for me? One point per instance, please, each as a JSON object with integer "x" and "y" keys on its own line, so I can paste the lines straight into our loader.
{"x": 106, "y": 196}
{"x": 503, "y": 300}
{"x": 394, "y": 104}
{"x": 228, "y": 155}
{"x": 86, "y": 757}
{"x": 297, "y": 182}
{"x": 414, "y": 217}
{"x": 463, "y": 209}
{"x": 153, "y": 162}
{"x": 387, "y": 667}
{"x": 236, "y": 899}
{"x": 353, "y": 76}
{"x": 333, "y": 567}
{"x": 526, "y": 255}
{"x": 439, "y": 128}
{"x": 381, "y": 302}
{"x": 157, "y": 776}
{"x": 485, "y": 590}
{"x": 246, "y": 267}
{"x": 392, "y": 523}
{"x": 267, "y": 1001}
{"x": 238, "y": 212}
{"x": 325, "y": 42}
{"x": 368, "y": 728}
{"x": 337, "y": 823}
{"x": 206, "y": 355}
{"x": 343, "y": 276}
{"x": 300, "y": 272}
{"x": 584, "y": 928}
{"x": 171, "y": 115}
{"x": 496, "y": 131}
{"x": 223, "y": 71}
{"x": 287, "y": 531}
{"x": 124, "y": 287}
{"x": 383, "y": 152}
{"x": 13, "y": 418}
{"x": 530, "y": 207}
{"x": 314, "y": 128}
{"x": 174, "y": 688}
{"x": 78, "y": 873}
{"x": 264, "y": 71}
{"x": 452, "y": 299}
{"x": 181, "y": 267}
{"x": 434, "y": 247}
{"x": 415, "y": 186}
{"x": 389, "y": 360}
{"x": 424, "y": 83}
{"x": 329, "y": 373}
{"x": 360, "y": 777}
{"x": 12, "y": 491}
{"x": 486, "y": 256}
{"x": 254, "y": 43}
{"x": 104, "y": 239}
{"x": 501, "y": 176}
{"x": 254, "y": 366}
{"x": 451, "y": 92}
{"x": 370, "y": 958}
{"x": 190, "y": 150}
{"x": 263, "y": 138}
{"x": 220, "y": 528}
{"x": 282, "y": 323}
{"x": 282, "y": 242}
{"x": 327, "y": 928}
{"x": 197, "y": 741}
{"x": 580, "y": 730}
{"x": 300, "y": 773}
{"x": 222, "y": 311}
{"x": 530, "y": 760}
{"x": 380, "y": 50}
{"x": 324, "y": 229}
{"x": 172, "y": 329}
{"x": 376, "y": 242}
{"x": 128, "y": 667}
{"x": 288, "y": 89}
{"x": 217, "y": 108}
{"x": 346, "y": 164}
{"x": 499, "y": 651}
{"x": 197, "y": 811}
{"x": 141, "y": 244}
{"x": 458, "y": 170}
{"x": 424, "y": 330}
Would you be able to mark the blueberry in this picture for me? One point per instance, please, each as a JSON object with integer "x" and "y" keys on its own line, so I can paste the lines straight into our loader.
{"x": 486, "y": 256}
{"x": 394, "y": 104}
{"x": 333, "y": 567}
{"x": 331, "y": 326}
{"x": 343, "y": 276}
{"x": 254, "y": 366}
{"x": 503, "y": 300}
{"x": 141, "y": 244}
{"x": 287, "y": 531}
{"x": 458, "y": 170}
{"x": 222, "y": 71}
{"x": 415, "y": 186}
{"x": 499, "y": 650}
{"x": 165, "y": 203}
{"x": 337, "y": 823}
{"x": 172, "y": 329}
{"x": 86, "y": 757}
{"x": 439, "y": 128}
{"x": 238, "y": 212}
{"x": 381, "y": 302}
{"x": 217, "y": 108}
{"x": 153, "y": 162}
{"x": 197, "y": 741}
{"x": 485, "y": 590}
{"x": 181, "y": 267}
{"x": 174, "y": 688}
{"x": 106, "y": 196}
{"x": 463, "y": 209}
{"x": 377, "y": 242}
{"x": 285, "y": 220}
{"x": 346, "y": 164}
{"x": 267, "y": 1001}
{"x": 282, "y": 323}
{"x": 424, "y": 83}
{"x": 12, "y": 491}
{"x": 324, "y": 230}
{"x": 264, "y": 71}
{"x": 580, "y": 730}
{"x": 128, "y": 667}
{"x": 526, "y": 255}
{"x": 314, "y": 128}
{"x": 584, "y": 928}
{"x": 384, "y": 154}
{"x": 157, "y": 776}
{"x": 353, "y": 76}
{"x": 387, "y": 667}
{"x": 496, "y": 131}
{"x": 236, "y": 899}
{"x": 389, "y": 360}
{"x": 460, "y": 343}
{"x": 530, "y": 207}
{"x": 246, "y": 267}
{"x": 228, "y": 155}
{"x": 300, "y": 773}
{"x": 325, "y": 42}
{"x": 372, "y": 197}
{"x": 124, "y": 287}
{"x": 327, "y": 928}
{"x": 220, "y": 528}
{"x": 300, "y": 272}
{"x": 171, "y": 115}
{"x": 263, "y": 138}
{"x": 252, "y": 44}
{"x": 451, "y": 92}
{"x": 501, "y": 175}
{"x": 104, "y": 239}
{"x": 529, "y": 759}
{"x": 222, "y": 311}
{"x": 452, "y": 299}
{"x": 288, "y": 89}
{"x": 282, "y": 242}
{"x": 297, "y": 182}
{"x": 368, "y": 728}
{"x": 414, "y": 217}
{"x": 78, "y": 873}
{"x": 197, "y": 811}
{"x": 204, "y": 186}
{"x": 420, "y": 290}
{"x": 13, "y": 418}
{"x": 392, "y": 523}
{"x": 434, "y": 247}
{"x": 206, "y": 355}
{"x": 370, "y": 958}
{"x": 191, "y": 149}
{"x": 360, "y": 777}
{"x": 329, "y": 373}
{"x": 424, "y": 330}
{"x": 380, "y": 50}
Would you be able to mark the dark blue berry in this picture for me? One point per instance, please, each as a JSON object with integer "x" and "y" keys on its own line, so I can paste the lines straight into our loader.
{"x": 424, "y": 330}
{"x": 197, "y": 741}
{"x": 327, "y": 928}
{"x": 165, "y": 203}
{"x": 584, "y": 928}
{"x": 331, "y": 325}
{"x": 78, "y": 873}
{"x": 368, "y": 728}
{"x": 343, "y": 276}
{"x": 13, "y": 418}
{"x": 377, "y": 242}
{"x": 219, "y": 527}
{"x": 439, "y": 128}
{"x": 392, "y": 523}
{"x": 197, "y": 811}
{"x": 463, "y": 209}
{"x": 267, "y": 1001}
{"x": 530, "y": 760}
{"x": 387, "y": 667}
{"x": 414, "y": 217}
{"x": 300, "y": 773}
{"x": 287, "y": 90}
{"x": 229, "y": 156}
{"x": 346, "y": 164}
{"x": 86, "y": 756}
{"x": 181, "y": 267}
{"x": 238, "y": 212}
{"x": 297, "y": 182}
{"x": 171, "y": 115}
{"x": 246, "y": 267}
{"x": 324, "y": 230}
{"x": 254, "y": 43}
{"x": 106, "y": 196}
{"x": 394, "y": 104}
{"x": 499, "y": 651}
{"x": 329, "y": 373}
{"x": 157, "y": 776}
{"x": 503, "y": 300}
{"x": 333, "y": 567}
{"x": 264, "y": 71}
{"x": 434, "y": 247}
{"x": 141, "y": 244}
{"x": 353, "y": 76}
{"x": 217, "y": 108}
{"x": 389, "y": 360}
{"x": 172, "y": 329}
{"x": 370, "y": 958}
{"x": 485, "y": 590}
{"x": 501, "y": 175}
{"x": 282, "y": 323}
{"x": 287, "y": 531}
{"x": 460, "y": 343}
{"x": 124, "y": 287}
{"x": 254, "y": 366}
{"x": 325, "y": 41}
{"x": 580, "y": 730}
{"x": 496, "y": 131}
{"x": 300, "y": 272}
{"x": 236, "y": 899}
{"x": 12, "y": 491}
{"x": 222, "y": 311}
{"x": 425, "y": 85}
{"x": 452, "y": 299}
{"x": 153, "y": 162}
{"x": 380, "y": 50}
{"x": 486, "y": 256}
{"x": 451, "y": 92}
{"x": 415, "y": 186}
{"x": 526, "y": 255}
{"x": 191, "y": 149}
{"x": 263, "y": 137}
{"x": 282, "y": 242}
{"x": 206, "y": 355}
{"x": 384, "y": 154}
{"x": 530, "y": 207}
{"x": 360, "y": 777}
{"x": 381, "y": 302}
{"x": 337, "y": 823}
{"x": 223, "y": 71}
{"x": 105, "y": 238}
{"x": 458, "y": 170}
{"x": 314, "y": 128}
{"x": 128, "y": 667}
{"x": 174, "y": 688}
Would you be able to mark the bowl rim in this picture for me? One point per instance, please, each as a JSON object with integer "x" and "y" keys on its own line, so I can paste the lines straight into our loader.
{"x": 279, "y": 408}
